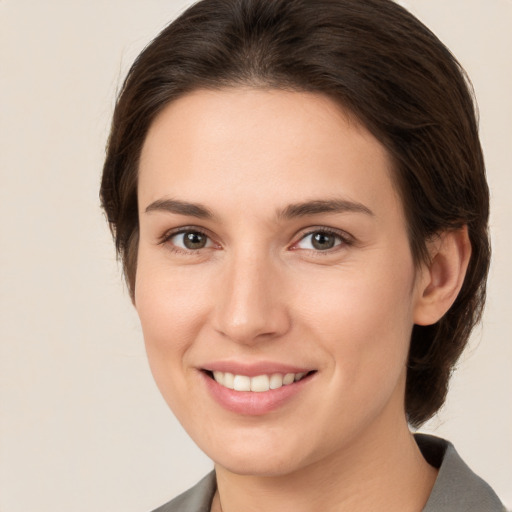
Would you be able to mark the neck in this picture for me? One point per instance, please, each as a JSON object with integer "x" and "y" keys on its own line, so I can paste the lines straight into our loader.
{"x": 382, "y": 470}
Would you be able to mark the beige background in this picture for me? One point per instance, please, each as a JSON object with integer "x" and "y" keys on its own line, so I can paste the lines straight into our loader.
{"x": 82, "y": 426}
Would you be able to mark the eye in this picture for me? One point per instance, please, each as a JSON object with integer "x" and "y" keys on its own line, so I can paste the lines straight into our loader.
{"x": 319, "y": 240}
{"x": 189, "y": 240}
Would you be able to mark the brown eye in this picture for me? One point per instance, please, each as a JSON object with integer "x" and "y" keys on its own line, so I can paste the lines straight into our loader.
{"x": 190, "y": 240}
{"x": 194, "y": 240}
{"x": 320, "y": 241}
{"x": 323, "y": 241}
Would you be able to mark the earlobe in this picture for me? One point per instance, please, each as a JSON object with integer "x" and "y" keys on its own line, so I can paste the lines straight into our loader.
{"x": 442, "y": 277}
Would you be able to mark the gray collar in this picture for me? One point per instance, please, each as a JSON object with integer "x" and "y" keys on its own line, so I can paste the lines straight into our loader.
{"x": 457, "y": 488}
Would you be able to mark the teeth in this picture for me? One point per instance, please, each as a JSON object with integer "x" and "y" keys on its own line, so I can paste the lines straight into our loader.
{"x": 288, "y": 379}
{"x": 229, "y": 380}
{"x": 260, "y": 383}
{"x": 256, "y": 384}
{"x": 276, "y": 381}
{"x": 219, "y": 377}
{"x": 242, "y": 383}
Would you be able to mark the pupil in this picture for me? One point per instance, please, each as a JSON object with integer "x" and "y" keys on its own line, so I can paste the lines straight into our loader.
{"x": 194, "y": 240}
{"x": 323, "y": 241}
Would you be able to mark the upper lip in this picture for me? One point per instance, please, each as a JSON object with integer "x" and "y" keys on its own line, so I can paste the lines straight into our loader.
{"x": 254, "y": 369}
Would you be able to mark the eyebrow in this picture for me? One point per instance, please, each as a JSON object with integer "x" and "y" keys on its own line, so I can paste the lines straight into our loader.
{"x": 319, "y": 206}
{"x": 180, "y": 208}
{"x": 314, "y": 207}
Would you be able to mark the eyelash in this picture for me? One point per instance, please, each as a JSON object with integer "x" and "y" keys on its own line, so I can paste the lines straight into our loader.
{"x": 344, "y": 240}
{"x": 166, "y": 238}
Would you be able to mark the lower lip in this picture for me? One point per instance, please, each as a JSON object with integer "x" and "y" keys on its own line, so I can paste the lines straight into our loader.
{"x": 253, "y": 403}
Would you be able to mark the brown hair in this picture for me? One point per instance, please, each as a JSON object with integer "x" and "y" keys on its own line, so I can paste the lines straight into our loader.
{"x": 378, "y": 62}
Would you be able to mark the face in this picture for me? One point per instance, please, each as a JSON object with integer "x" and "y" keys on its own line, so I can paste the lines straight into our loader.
{"x": 275, "y": 283}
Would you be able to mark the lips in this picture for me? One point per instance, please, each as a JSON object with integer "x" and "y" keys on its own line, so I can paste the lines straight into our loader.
{"x": 254, "y": 389}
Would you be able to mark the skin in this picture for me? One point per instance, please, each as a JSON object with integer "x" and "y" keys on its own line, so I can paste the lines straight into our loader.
{"x": 260, "y": 291}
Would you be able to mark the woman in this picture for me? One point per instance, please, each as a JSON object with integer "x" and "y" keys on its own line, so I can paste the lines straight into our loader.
{"x": 297, "y": 192}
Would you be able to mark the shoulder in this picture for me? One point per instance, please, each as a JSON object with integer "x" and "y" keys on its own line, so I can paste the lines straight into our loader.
{"x": 456, "y": 488}
{"x": 196, "y": 499}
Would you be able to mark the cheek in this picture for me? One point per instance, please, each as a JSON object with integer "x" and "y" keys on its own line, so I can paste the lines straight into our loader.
{"x": 171, "y": 307}
{"x": 365, "y": 329}
{"x": 364, "y": 319}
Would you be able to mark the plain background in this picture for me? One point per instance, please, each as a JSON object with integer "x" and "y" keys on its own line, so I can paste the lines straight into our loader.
{"x": 82, "y": 426}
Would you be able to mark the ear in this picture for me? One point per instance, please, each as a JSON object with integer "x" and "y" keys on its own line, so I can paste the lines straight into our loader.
{"x": 441, "y": 278}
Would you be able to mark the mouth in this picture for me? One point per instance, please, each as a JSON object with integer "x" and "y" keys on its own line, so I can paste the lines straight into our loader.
{"x": 258, "y": 383}
{"x": 255, "y": 388}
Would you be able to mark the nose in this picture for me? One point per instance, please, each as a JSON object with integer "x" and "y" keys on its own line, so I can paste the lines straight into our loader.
{"x": 251, "y": 306}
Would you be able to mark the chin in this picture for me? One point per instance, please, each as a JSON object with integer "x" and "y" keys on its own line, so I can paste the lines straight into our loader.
{"x": 264, "y": 466}
{"x": 274, "y": 457}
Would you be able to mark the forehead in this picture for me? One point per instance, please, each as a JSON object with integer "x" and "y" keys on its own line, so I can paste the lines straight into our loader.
{"x": 262, "y": 147}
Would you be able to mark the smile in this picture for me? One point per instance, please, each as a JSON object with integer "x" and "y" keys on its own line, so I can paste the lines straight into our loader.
{"x": 257, "y": 384}
{"x": 257, "y": 388}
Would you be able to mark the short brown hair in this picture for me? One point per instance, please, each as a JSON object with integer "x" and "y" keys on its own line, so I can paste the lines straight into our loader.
{"x": 377, "y": 61}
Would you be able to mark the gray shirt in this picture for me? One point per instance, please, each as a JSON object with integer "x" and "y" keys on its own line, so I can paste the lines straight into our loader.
{"x": 457, "y": 488}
